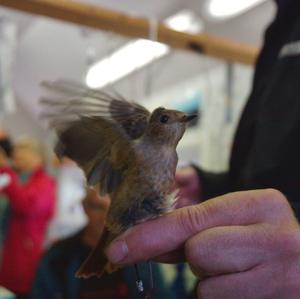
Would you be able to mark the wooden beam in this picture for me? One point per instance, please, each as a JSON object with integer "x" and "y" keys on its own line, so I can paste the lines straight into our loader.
{"x": 135, "y": 27}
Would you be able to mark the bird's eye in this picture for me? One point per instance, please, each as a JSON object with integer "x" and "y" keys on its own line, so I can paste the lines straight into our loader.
{"x": 164, "y": 119}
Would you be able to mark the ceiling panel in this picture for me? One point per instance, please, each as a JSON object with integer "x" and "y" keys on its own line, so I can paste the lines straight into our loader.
{"x": 50, "y": 49}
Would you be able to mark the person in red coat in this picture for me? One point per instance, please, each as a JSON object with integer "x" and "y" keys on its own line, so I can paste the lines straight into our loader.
{"x": 31, "y": 198}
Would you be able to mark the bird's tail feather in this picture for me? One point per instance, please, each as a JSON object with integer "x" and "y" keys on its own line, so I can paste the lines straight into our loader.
{"x": 96, "y": 263}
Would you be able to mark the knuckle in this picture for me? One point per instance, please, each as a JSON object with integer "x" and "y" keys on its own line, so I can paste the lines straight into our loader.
{"x": 204, "y": 290}
{"x": 281, "y": 240}
{"x": 193, "y": 219}
{"x": 275, "y": 198}
{"x": 189, "y": 251}
{"x": 274, "y": 203}
{"x": 194, "y": 252}
{"x": 289, "y": 240}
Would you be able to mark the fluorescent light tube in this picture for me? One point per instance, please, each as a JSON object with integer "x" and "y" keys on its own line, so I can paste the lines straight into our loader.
{"x": 185, "y": 21}
{"x": 230, "y": 8}
{"x": 124, "y": 61}
{"x": 137, "y": 54}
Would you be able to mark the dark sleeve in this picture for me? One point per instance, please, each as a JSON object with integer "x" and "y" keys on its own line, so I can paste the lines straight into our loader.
{"x": 44, "y": 285}
{"x": 213, "y": 184}
{"x": 266, "y": 151}
{"x": 273, "y": 158}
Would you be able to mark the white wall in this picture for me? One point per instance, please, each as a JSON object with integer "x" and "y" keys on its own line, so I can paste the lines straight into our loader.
{"x": 20, "y": 123}
{"x": 209, "y": 144}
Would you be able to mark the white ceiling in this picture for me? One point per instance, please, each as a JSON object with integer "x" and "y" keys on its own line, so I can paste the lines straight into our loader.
{"x": 49, "y": 49}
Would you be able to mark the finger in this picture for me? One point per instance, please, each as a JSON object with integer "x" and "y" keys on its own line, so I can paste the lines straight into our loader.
{"x": 169, "y": 232}
{"x": 182, "y": 202}
{"x": 257, "y": 283}
{"x": 182, "y": 180}
{"x": 230, "y": 249}
{"x": 240, "y": 285}
{"x": 173, "y": 257}
{"x": 183, "y": 176}
{"x": 183, "y": 196}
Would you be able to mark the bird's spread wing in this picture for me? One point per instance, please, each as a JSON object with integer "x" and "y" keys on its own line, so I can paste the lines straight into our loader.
{"x": 78, "y": 99}
{"x": 101, "y": 149}
{"x": 95, "y": 130}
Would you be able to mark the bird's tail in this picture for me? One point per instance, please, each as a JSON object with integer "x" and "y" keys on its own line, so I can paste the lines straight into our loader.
{"x": 96, "y": 263}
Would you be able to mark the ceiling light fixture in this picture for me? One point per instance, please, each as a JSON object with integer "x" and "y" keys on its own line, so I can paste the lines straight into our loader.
{"x": 185, "y": 21}
{"x": 139, "y": 53}
{"x": 225, "y": 9}
{"x": 124, "y": 61}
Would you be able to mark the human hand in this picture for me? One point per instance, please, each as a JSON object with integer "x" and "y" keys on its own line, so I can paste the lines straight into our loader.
{"x": 5, "y": 180}
{"x": 188, "y": 184}
{"x": 247, "y": 244}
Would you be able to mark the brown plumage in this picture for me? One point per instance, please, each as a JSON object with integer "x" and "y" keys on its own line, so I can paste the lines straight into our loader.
{"x": 122, "y": 147}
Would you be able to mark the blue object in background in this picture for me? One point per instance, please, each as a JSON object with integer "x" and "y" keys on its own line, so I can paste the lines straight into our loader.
{"x": 191, "y": 105}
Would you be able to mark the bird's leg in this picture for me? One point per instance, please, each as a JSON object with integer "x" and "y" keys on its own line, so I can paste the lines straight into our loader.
{"x": 151, "y": 276}
{"x": 139, "y": 282}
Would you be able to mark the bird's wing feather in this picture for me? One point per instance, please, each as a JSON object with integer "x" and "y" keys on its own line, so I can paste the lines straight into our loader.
{"x": 94, "y": 138}
{"x": 102, "y": 150}
{"x": 132, "y": 117}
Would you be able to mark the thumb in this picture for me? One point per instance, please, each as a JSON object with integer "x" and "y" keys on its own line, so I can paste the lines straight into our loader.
{"x": 182, "y": 179}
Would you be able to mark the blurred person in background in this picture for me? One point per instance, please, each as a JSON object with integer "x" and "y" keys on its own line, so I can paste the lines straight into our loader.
{"x": 69, "y": 216}
{"x": 5, "y": 155}
{"x": 56, "y": 274}
{"x": 31, "y": 197}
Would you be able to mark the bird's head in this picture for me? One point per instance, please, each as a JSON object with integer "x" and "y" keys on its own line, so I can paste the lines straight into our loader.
{"x": 168, "y": 126}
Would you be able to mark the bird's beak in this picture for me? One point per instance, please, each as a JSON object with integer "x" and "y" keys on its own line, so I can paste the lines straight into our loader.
{"x": 187, "y": 118}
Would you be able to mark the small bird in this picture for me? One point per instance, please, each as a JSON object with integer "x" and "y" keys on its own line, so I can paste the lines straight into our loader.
{"x": 124, "y": 150}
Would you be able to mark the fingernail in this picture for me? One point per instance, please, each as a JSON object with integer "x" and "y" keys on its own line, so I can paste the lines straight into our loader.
{"x": 117, "y": 251}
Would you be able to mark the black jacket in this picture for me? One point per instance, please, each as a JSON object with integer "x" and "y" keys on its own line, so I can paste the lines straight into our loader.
{"x": 55, "y": 276}
{"x": 266, "y": 148}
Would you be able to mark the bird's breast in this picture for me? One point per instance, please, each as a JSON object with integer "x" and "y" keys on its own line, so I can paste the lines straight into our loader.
{"x": 159, "y": 165}
{"x": 145, "y": 189}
